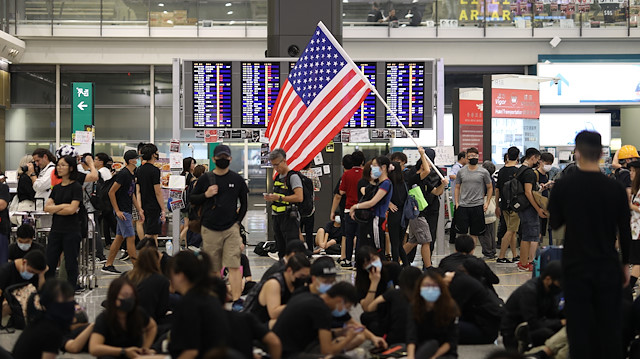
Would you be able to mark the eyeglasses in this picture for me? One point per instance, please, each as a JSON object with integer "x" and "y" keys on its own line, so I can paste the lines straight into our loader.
{"x": 59, "y": 165}
{"x": 276, "y": 164}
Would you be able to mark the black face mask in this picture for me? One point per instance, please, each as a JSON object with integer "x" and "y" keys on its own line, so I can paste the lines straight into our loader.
{"x": 223, "y": 163}
{"x": 473, "y": 161}
{"x": 299, "y": 282}
{"x": 127, "y": 305}
{"x": 62, "y": 313}
{"x": 554, "y": 290}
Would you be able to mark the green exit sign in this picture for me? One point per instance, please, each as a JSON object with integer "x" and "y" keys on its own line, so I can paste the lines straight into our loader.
{"x": 81, "y": 106}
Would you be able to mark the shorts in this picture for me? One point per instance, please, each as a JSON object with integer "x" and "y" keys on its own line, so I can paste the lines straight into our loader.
{"x": 419, "y": 231}
{"x": 224, "y": 247}
{"x": 135, "y": 216}
{"x": 125, "y": 228}
{"x": 634, "y": 253}
{"x": 152, "y": 223}
{"x": 530, "y": 225}
{"x": 512, "y": 220}
{"x": 470, "y": 220}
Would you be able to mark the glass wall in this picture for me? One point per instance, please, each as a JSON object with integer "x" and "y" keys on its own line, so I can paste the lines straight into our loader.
{"x": 204, "y": 17}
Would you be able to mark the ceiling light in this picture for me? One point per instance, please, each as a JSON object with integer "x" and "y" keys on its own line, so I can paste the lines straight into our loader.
{"x": 229, "y": 12}
{"x": 232, "y": 22}
{"x": 161, "y": 4}
{"x": 165, "y": 12}
{"x": 228, "y": 4}
{"x": 345, "y": 1}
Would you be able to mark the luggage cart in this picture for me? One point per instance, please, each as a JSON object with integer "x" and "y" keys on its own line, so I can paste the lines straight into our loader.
{"x": 87, "y": 266}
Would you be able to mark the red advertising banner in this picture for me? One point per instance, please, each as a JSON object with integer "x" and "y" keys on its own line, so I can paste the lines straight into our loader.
{"x": 471, "y": 130}
{"x": 509, "y": 103}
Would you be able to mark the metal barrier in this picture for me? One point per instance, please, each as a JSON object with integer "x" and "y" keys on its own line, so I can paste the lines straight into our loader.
{"x": 87, "y": 265}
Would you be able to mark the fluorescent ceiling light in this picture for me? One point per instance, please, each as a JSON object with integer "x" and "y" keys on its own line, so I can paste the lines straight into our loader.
{"x": 229, "y": 12}
{"x": 228, "y": 4}
{"x": 160, "y": 4}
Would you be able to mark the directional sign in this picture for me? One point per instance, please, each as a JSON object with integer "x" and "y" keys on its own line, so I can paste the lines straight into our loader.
{"x": 82, "y": 105}
{"x": 559, "y": 84}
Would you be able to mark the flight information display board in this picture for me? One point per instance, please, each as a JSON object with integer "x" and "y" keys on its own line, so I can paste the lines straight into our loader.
{"x": 260, "y": 87}
{"x": 365, "y": 115}
{"x": 211, "y": 94}
{"x": 405, "y": 93}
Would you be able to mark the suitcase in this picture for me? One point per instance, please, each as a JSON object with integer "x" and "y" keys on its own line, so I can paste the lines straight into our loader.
{"x": 545, "y": 255}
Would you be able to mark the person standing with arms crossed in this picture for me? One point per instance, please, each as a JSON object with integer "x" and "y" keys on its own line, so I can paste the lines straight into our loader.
{"x": 594, "y": 209}
{"x": 218, "y": 192}
{"x": 149, "y": 193}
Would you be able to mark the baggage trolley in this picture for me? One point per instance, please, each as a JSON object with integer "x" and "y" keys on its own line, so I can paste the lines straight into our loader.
{"x": 87, "y": 266}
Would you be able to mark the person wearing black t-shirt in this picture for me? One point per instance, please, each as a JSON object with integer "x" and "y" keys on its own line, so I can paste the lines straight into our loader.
{"x": 219, "y": 192}
{"x": 530, "y": 216}
{"x": 64, "y": 203}
{"x": 305, "y": 324}
{"x": 24, "y": 243}
{"x": 593, "y": 272}
{"x": 199, "y": 322}
{"x": 5, "y": 224}
{"x": 29, "y": 269}
{"x": 123, "y": 198}
{"x": 149, "y": 192}
{"x": 511, "y": 218}
{"x": 329, "y": 235}
{"x": 43, "y": 337}
{"x": 123, "y": 329}
{"x": 151, "y": 285}
{"x": 291, "y": 249}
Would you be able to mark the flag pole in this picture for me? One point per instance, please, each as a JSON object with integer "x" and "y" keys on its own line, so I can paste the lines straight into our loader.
{"x": 395, "y": 117}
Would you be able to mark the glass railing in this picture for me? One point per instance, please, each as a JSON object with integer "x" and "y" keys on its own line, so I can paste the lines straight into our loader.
{"x": 212, "y": 17}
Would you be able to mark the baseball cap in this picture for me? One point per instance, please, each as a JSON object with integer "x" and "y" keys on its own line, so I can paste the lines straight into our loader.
{"x": 130, "y": 155}
{"x": 222, "y": 150}
{"x": 324, "y": 267}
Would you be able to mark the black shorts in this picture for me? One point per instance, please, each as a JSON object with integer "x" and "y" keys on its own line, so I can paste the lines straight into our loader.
{"x": 634, "y": 253}
{"x": 152, "y": 222}
{"x": 470, "y": 220}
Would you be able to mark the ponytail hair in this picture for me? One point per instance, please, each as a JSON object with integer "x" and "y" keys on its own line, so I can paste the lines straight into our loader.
{"x": 196, "y": 267}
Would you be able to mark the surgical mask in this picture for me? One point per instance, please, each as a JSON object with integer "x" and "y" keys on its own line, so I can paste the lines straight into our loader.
{"x": 26, "y": 275}
{"x": 473, "y": 161}
{"x": 554, "y": 290}
{"x": 547, "y": 168}
{"x": 324, "y": 287}
{"x": 338, "y": 313}
{"x": 223, "y": 163}
{"x": 430, "y": 294}
{"x": 127, "y": 305}
{"x": 62, "y": 313}
{"x": 138, "y": 162}
{"x": 376, "y": 172}
{"x": 338, "y": 220}
{"x": 376, "y": 263}
{"x": 299, "y": 282}
{"x": 24, "y": 246}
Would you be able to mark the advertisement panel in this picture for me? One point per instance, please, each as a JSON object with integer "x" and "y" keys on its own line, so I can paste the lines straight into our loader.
{"x": 471, "y": 121}
{"x": 511, "y": 103}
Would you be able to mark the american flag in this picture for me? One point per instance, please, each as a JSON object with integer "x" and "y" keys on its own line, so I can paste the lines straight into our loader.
{"x": 323, "y": 91}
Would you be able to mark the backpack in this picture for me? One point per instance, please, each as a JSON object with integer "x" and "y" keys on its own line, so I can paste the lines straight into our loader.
{"x": 365, "y": 215}
{"x": 195, "y": 211}
{"x": 411, "y": 209}
{"x": 306, "y": 207}
{"x": 264, "y": 248}
{"x": 17, "y": 297}
{"x": 100, "y": 195}
{"x": 513, "y": 192}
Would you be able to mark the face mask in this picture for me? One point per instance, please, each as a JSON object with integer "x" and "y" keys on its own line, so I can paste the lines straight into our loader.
{"x": 430, "y": 294}
{"x": 26, "y": 275}
{"x": 324, "y": 287}
{"x": 222, "y": 163}
{"x": 547, "y": 168}
{"x": 338, "y": 313}
{"x": 554, "y": 290}
{"x": 127, "y": 305}
{"x": 376, "y": 263}
{"x": 62, "y": 313}
{"x": 24, "y": 246}
{"x": 473, "y": 161}
{"x": 338, "y": 220}
{"x": 299, "y": 282}
{"x": 138, "y": 162}
{"x": 376, "y": 172}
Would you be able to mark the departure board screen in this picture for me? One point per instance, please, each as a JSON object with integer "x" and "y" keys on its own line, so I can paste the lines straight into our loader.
{"x": 405, "y": 93}
{"x": 260, "y": 87}
{"x": 365, "y": 115}
{"x": 211, "y": 94}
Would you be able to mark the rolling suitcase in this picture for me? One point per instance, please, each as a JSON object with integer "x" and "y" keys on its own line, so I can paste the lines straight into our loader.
{"x": 545, "y": 255}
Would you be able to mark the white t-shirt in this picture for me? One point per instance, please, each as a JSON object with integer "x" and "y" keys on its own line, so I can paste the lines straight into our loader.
{"x": 105, "y": 173}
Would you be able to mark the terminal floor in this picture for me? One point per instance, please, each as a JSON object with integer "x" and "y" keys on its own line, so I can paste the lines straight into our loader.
{"x": 510, "y": 278}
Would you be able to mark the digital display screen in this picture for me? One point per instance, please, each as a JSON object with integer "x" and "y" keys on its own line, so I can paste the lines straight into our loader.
{"x": 365, "y": 116}
{"x": 211, "y": 94}
{"x": 405, "y": 93}
{"x": 260, "y": 87}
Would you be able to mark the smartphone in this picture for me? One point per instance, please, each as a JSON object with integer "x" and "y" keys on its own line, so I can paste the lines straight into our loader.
{"x": 358, "y": 330}
{"x": 265, "y": 194}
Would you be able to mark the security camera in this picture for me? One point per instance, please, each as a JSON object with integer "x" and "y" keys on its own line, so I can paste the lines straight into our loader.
{"x": 555, "y": 41}
{"x": 556, "y": 81}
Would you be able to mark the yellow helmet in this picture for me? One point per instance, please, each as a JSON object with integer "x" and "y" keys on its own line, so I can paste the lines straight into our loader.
{"x": 627, "y": 151}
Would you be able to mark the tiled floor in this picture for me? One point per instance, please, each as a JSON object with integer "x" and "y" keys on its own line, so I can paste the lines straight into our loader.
{"x": 256, "y": 224}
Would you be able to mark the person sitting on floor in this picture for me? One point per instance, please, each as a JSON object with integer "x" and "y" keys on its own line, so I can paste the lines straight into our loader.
{"x": 292, "y": 248}
{"x": 327, "y": 238}
{"x": 478, "y": 269}
{"x": 24, "y": 243}
{"x": 29, "y": 269}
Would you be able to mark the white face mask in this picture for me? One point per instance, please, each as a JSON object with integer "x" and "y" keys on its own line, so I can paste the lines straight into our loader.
{"x": 547, "y": 168}
{"x": 338, "y": 219}
{"x": 24, "y": 246}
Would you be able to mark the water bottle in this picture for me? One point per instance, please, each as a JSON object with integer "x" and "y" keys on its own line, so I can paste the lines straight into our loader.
{"x": 169, "y": 246}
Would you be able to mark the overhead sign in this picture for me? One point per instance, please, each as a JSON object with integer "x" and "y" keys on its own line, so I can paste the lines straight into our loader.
{"x": 511, "y": 103}
{"x": 560, "y": 129}
{"x": 590, "y": 84}
{"x": 81, "y": 106}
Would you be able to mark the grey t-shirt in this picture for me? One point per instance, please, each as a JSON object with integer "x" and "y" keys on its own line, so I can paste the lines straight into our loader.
{"x": 473, "y": 185}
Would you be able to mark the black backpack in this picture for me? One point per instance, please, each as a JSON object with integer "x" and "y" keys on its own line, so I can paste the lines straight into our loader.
{"x": 100, "y": 195}
{"x": 365, "y": 215}
{"x": 513, "y": 192}
{"x": 306, "y": 207}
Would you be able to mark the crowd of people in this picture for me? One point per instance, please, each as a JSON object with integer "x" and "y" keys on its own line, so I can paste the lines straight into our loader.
{"x": 203, "y": 303}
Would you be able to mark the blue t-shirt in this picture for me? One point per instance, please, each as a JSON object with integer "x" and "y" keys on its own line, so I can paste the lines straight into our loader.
{"x": 380, "y": 209}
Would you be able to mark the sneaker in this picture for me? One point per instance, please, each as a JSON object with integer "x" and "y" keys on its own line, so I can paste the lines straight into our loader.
{"x": 524, "y": 268}
{"x": 237, "y": 305}
{"x": 538, "y": 355}
{"x": 101, "y": 260}
{"x": 79, "y": 289}
{"x": 125, "y": 256}
{"x": 273, "y": 256}
{"x": 346, "y": 264}
{"x": 490, "y": 258}
{"x": 515, "y": 259}
{"x": 110, "y": 270}
{"x": 522, "y": 335}
{"x": 503, "y": 261}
